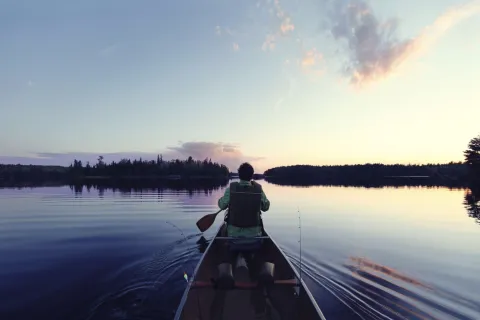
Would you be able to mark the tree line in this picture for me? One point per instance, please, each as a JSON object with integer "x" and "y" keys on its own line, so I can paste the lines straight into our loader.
{"x": 452, "y": 174}
{"x": 188, "y": 168}
{"x": 369, "y": 174}
{"x": 124, "y": 169}
{"x": 16, "y": 175}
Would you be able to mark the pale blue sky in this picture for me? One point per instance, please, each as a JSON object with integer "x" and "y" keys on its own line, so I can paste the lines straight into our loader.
{"x": 101, "y": 77}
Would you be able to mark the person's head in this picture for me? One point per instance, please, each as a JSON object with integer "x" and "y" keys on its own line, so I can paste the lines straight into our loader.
{"x": 245, "y": 171}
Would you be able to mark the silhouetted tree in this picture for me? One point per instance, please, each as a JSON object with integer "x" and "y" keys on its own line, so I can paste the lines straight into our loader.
{"x": 472, "y": 159}
{"x": 140, "y": 168}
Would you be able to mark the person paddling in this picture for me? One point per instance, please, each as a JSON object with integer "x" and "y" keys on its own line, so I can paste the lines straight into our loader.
{"x": 245, "y": 200}
{"x": 245, "y": 254}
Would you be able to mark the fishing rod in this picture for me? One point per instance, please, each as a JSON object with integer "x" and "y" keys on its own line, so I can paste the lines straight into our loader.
{"x": 185, "y": 275}
{"x": 300, "y": 245}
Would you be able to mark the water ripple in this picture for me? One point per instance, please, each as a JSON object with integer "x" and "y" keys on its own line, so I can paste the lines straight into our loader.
{"x": 370, "y": 295}
{"x": 148, "y": 282}
{"x": 115, "y": 255}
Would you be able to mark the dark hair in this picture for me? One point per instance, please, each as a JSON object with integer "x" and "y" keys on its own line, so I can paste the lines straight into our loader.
{"x": 245, "y": 171}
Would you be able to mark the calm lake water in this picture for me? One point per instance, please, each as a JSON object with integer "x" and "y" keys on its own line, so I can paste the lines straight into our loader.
{"x": 407, "y": 253}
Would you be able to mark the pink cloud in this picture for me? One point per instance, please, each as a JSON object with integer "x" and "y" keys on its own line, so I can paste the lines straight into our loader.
{"x": 269, "y": 43}
{"x": 373, "y": 50}
{"x": 311, "y": 58}
{"x": 286, "y": 26}
{"x": 224, "y": 153}
{"x": 310, "y": 63}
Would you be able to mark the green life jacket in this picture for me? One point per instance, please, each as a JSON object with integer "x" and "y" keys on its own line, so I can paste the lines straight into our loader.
{"x": 244, "y": 207}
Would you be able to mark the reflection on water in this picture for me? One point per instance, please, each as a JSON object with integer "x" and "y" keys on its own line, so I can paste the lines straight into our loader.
{"x": 95, "y": 252}
{"x": 387, "y": 181}
{"x": 472, "y": 203}
{"x": 471, "y": 199}
{"x": 364, "y": 265}
{"x": 145, "y": 186}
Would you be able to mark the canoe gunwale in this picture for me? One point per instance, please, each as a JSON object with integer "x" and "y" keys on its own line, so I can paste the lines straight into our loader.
{"x": 192, "y": 284}
{"x": 181, "y": 305}
{"x": 303, "y": 285}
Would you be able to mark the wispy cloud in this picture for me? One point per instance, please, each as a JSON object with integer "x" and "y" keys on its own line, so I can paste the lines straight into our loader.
{"x": 219, "y": 31}
{"x": 311, "y": 64}
{"x": 286, "y": 26}
{"x": 372, "y": 46}
{"x": 291, "y": 83}
{"x": 30, "y": 83}
{"x": 311, "y": 58}
{"x": 109, "y": 50}
{"x": 269, "y": 43}
{"x": 225, "y": 153}
{"x": 232, "y": 35}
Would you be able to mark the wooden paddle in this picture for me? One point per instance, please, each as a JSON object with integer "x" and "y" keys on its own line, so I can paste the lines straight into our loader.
{"x": 206, "y": 222}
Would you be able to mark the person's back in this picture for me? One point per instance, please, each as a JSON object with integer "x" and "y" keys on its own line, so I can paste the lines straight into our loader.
{"x": 245, "y": 199}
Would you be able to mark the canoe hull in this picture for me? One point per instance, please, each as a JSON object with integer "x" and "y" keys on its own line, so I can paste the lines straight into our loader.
{"x": 288, "y": 298}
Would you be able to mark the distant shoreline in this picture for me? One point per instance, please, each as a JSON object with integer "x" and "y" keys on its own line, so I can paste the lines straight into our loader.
{"x": 372, "y": 175}
{"x": 151, "y": 177}
{"x": 123, "y": 172}
{"x": 198, "y": 173}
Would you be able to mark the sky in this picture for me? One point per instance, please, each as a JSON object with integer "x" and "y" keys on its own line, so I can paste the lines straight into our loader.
{"x": 272, "y": 82}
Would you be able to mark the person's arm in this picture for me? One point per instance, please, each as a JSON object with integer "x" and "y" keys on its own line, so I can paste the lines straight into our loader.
{"x": 265, "y": 203}
{"x": 225, "y": 200}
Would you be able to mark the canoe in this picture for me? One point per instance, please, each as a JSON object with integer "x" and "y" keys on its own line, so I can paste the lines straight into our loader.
{"x": 281, "y": 296}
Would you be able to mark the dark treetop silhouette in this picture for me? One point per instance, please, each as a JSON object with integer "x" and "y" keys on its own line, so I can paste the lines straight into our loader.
{"x": 123, "y": 170}
{"x": 453, "y": 174}
{"x": 472, "y": 159}
{"x": 472, "y": 196}
{"x": 371, "y": 175}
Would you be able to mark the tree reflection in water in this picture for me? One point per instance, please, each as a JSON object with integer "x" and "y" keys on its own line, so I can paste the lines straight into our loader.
{"x": 472, "y": 202}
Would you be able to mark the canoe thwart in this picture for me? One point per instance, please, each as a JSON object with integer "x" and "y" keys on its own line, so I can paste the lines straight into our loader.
{"x": 243, "y": 285}
{"x": 241, "y": 238}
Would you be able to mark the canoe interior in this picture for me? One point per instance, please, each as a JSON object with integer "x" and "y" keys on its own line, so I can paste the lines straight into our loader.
{"x": 276, "y": 301}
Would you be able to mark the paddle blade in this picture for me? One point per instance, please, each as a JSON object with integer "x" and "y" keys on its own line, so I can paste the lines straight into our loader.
{"x": 206, "y": 222}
